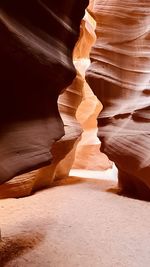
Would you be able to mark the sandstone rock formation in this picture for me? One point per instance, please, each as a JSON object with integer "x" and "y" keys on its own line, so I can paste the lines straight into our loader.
{"x": 88, "y": 155}
{"x": 120, "y": 77}
{"x": 37, "y": 40}
{"x": 63, "y": 151}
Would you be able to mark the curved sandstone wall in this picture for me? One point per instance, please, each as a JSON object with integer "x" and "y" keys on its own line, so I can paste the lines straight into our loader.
{"x": 88, "y": 155}
{"x": 37, "y": 42}
{"x": 41, "y": 123}
{"x": 120, "y": 77}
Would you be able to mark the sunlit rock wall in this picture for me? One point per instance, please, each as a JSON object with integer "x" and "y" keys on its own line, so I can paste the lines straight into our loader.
{"x": 88, "y": 155}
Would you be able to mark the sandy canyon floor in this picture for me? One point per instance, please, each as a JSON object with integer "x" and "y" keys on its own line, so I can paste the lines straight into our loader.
{"x": 80, "y": 222}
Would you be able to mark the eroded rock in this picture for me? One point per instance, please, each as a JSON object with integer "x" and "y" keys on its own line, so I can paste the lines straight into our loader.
{"x": 119, "y": 76}
{"x": 37, "y": 41}
{"x": 88, "y": 155}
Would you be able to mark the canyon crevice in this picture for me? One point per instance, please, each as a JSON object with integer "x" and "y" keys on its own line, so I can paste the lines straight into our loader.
{"x": 49, "y": 105}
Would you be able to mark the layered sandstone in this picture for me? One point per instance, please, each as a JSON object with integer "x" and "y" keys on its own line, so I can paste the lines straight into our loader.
{"x": 88, "y": 155}
{"x": 63, "y": 151}
{"x": 37, "y": 41}
{"x": 119, "y": 76}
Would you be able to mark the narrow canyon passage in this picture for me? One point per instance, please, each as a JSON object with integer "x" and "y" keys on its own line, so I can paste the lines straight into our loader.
{"x": 77, "y": 77}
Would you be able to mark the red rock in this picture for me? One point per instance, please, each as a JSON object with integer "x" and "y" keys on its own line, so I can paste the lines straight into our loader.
{"x": 88, "y": 155}
{"x": 37, "y": 40}
{"x": 119, "y": 76}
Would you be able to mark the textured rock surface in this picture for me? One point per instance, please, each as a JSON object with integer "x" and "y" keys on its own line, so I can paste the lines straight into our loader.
{"x": 63, "y": 151}
{"x": 86, "y": 152}
{"x": 90, "y": 7}
{"x": 119, "y": 75}
{"x": 88, "y": 155}
{"x": 37, "y": 40}
{"x": 68, "y": 105}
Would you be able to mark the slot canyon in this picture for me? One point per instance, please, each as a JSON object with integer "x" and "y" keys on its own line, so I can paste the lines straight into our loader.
{"x": 75, "y": 133}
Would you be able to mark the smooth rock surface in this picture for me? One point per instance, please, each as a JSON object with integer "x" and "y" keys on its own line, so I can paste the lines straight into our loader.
{"x": 119, "y": 76}
{"x": 88, "y": 155}
{"x": 63, "y": 151}
{"x": 37, "y": 41}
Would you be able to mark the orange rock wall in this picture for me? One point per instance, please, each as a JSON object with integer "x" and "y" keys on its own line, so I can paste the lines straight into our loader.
{"x": 119, "y": 75}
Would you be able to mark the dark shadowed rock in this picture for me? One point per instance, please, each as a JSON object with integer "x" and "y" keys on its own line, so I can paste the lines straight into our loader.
{"x": 36, "y": 43}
